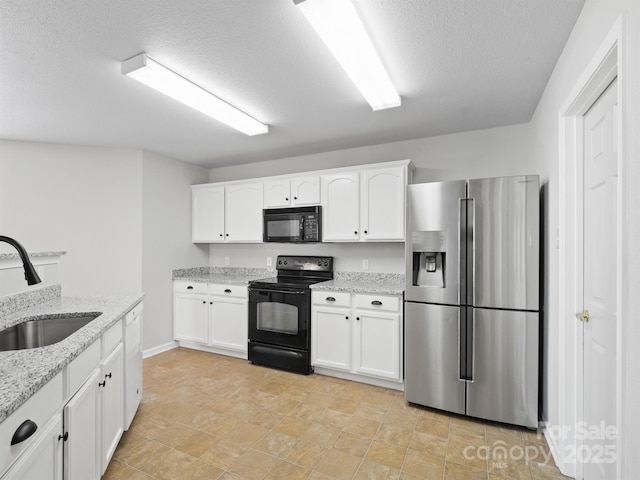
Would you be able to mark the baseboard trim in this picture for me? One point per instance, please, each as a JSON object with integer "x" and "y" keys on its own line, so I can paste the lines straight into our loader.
{"x": 150, "y": 352}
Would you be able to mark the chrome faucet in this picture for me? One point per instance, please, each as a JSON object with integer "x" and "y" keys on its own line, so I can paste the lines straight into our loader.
{"x": 30, "y": 274}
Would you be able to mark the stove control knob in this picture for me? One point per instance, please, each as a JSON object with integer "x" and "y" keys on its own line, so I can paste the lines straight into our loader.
{"x": 285, "y": 262}
{"x": 319, "y": 263}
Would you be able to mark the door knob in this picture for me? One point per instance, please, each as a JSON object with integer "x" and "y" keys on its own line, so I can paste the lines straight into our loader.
{"x": 583, "y": 316}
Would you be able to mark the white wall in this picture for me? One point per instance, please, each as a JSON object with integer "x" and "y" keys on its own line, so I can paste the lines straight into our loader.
{"x": 122, "y": 216}
{"x": 483, "y": 153}
{"x": 166, "y": 239}
{"x": 595, "y": 21}
{"x": 83, "y": 200}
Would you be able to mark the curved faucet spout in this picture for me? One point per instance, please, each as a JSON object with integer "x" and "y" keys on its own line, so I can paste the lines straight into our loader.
{"x": 30, "y": 274}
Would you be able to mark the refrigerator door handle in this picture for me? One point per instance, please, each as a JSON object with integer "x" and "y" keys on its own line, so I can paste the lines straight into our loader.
{"x": 466, "y": 341}
{"x": 462, "y": 345}
{"x": 470, "y": 246}
{"x": 471, "y": 343}
{"x": 462, "y": 250}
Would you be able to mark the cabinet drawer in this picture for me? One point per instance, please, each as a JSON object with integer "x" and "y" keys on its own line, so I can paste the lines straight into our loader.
{"x": 239, "y": 291}
{"x": 337, "y": 299}
{"x": 81, "y": 367}
{"x": 39, "y": 409}
{"x": 190, "y": 287}
{"x": 378, "y": 302}
{"x": 111, "y": 338}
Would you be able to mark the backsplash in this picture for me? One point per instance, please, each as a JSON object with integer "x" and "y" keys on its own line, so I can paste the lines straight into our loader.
{"x": 30, "y": 298}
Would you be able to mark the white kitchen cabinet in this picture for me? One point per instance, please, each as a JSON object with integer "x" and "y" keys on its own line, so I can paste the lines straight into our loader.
{"x": 43, "y": 459}
{"x": 36, "y": 412}
{"x": 111, "y": 404}
{"x": 377, "y": 344}
{"x": 207, "y": 214}
{"x": 382, "y": 204}
{"x": 360, "y": 334}
{"x": 214, "y": 317}
{"x": 243, "y": 213}
{"x": 341, "y": 207}
{"x": 190, "y": 314}
{"x": 82, "y": 424}
{"x": 296, "y": 191}
{"x": 331, "y": 338}
{"x": 364, "y": 206}
{"x": 231, "y": 214}
{"x": 229, "y": 323}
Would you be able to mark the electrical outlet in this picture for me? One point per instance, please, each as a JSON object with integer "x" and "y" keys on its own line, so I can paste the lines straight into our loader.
{"x": 365, "y": 264}
{"x": 269, "y": 261}
{"x": 226, "y": 260}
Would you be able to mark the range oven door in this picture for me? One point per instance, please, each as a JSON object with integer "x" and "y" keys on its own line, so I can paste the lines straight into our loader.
{"x": 279, "y": 317}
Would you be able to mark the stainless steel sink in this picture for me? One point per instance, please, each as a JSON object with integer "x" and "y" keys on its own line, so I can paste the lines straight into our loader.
{"x": 42, "y": 331}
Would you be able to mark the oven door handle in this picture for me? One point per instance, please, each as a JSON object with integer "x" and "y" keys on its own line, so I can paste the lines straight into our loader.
{"x": 291, "y": 292}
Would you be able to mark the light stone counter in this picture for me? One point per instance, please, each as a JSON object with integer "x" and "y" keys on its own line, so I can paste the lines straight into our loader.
{"x": 226, "y": 275}
{"x": 24, "y": 372}
{"x": 360, "y": 282}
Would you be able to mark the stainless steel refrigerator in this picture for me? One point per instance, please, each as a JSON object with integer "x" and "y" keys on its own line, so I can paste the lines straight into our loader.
{"x": 472, "y": 297}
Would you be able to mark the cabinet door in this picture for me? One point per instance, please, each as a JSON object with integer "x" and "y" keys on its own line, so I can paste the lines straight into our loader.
{"x": 243, "y": 213}
{"x": 305, "y": 190}
{"x": 277, "y": 193}
{"x": 190, "y": 317}
{"x": 81, "y": 455}
{"x": 341, "y": 209}
{"x": 331, "y": 338}
{"x": 43, "y": 459}
{"x": 112, "y": 404}
{"x": 377, "y": 344}
{"x": 382, "y": 206}
{"x": 207, "y": 214}
{"x": 229, "y": 323}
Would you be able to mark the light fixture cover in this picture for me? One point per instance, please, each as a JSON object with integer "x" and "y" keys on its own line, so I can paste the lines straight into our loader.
{"x": 340, "y": 28}
{"x": 146, "y": 70}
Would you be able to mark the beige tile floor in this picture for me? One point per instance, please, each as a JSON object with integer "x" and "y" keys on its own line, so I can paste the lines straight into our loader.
{"x": 206, "y": 416}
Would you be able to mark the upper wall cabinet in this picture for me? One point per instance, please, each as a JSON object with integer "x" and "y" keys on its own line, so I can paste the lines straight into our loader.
{"x": 231, "y": 213}
{"x": 291, "y": 192}
{"x": 364, "y": 206}
{"x": 360, "y": 204}
{"x": 207, "y": 214}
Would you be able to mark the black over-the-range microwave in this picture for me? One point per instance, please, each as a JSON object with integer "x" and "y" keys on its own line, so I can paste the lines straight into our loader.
{"x": 293, "y": 225}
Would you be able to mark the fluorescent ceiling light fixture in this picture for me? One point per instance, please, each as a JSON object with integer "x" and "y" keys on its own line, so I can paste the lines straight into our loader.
{"x": 151, "y": 73}
{"x": 340, "y": 28}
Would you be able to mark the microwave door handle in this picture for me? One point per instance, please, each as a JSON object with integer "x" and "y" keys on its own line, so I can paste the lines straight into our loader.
{"x": 302, "y": 227}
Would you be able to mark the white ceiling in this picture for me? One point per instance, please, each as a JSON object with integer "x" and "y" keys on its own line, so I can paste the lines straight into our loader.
{"x": 458, "y": 65}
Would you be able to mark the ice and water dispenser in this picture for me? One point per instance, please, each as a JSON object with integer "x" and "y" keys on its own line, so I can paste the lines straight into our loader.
{"x": 429, "y": 258}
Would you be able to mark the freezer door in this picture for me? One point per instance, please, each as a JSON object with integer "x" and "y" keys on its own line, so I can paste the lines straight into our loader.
{"x": 505, "y": 367}
{"x": 433, "y": 239}
{"x": 431, "y": 363}
{"x": 506, "y": 230}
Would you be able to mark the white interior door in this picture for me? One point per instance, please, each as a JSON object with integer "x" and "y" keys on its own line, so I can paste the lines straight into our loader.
{"x": 597, "y": 453}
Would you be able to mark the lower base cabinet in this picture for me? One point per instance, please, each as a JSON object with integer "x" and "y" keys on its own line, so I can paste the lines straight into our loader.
{"x": 111, "y": 401}
{"x": 81, "y": 415}
{"x": 357, "y": 334}
{"x": 212, "y": 316}
{"x": 78, "y": 418}
{"x": 43, "y": 459}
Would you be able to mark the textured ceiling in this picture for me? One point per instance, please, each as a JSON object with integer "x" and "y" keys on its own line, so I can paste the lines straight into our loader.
{"x": 458, "y": 65}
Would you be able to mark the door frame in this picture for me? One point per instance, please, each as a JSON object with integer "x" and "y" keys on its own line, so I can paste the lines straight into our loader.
{"x": 608, "y": 62}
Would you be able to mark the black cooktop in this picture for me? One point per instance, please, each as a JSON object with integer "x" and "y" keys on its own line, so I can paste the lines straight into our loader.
{"x": 295, "y": 271}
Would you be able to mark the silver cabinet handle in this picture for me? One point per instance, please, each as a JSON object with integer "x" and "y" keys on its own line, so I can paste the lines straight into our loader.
{"x": 376, "y": 302}
{"x": 227, "y": 290}
{"x": 331, "y": 299}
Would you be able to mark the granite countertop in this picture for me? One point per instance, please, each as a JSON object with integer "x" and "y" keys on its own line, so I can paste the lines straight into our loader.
{"x": 226, "y": 275}
{"x": 7, "y": 256}
{"x": 359, "y": 282}
{"x": 24, "y": 372}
